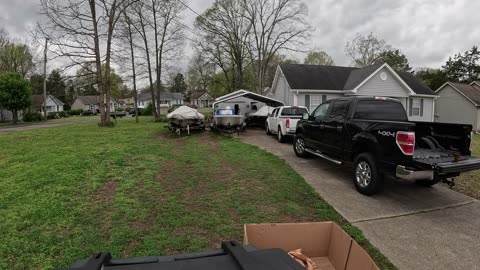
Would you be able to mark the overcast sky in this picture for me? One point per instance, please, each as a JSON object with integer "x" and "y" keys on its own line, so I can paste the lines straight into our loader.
{"x": 427, "y": 31}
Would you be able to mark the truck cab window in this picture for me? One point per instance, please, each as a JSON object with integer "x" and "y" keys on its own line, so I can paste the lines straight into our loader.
{"x": 321, "y": 112}
{"x": 339, "y": 110}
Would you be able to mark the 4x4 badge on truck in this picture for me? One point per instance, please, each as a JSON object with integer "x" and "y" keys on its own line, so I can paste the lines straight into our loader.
{"x": 386, "y": 133}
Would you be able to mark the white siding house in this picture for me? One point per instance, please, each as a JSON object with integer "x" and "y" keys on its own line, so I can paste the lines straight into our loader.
{"x": 311, "y": 85}
{"x": 459, "y": 103}
{"x": 91, "y": 103}
{"x": 167, "y": 99}
{"x": 53, "y": 104}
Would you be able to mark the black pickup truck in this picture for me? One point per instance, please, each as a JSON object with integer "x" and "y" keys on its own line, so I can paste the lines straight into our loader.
{"x": 375, "y": 135}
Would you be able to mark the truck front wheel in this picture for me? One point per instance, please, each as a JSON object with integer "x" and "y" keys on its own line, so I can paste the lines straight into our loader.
{"x": 366, "y": 177}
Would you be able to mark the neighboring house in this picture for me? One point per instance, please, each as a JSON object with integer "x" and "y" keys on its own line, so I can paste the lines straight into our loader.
{"x": 5, "y": 115}
{"x": 91, "y": 103}
{"x": 459, "y": 103}
{"x": 202, "y": 99}
{"x": 53, "y": 104}
{"x": 311, "y": 85}
{"x": 167, "y": 99}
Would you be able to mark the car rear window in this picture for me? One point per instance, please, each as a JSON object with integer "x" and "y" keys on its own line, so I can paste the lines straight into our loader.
{"x": 294, "y": 111}
{"x": 380, "y": 110}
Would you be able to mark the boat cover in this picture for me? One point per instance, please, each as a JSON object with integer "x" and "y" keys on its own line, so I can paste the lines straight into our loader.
{"x": 184, "y": 113}
{"x": 264, "y": 111}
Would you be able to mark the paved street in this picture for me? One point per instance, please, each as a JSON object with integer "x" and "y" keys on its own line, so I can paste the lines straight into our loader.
{"x": 415, "y": 227}
{"x": 43, "y": 125}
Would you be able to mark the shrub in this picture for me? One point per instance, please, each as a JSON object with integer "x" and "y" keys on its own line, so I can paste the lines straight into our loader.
{"x": 32, "y": 117}
{"x": 119, "y": 109}
{"x": 162, "y": 119}
{"x": 74, "y": 112}
{"x": 57, "y": 115}
{"x": 148, "y": 110}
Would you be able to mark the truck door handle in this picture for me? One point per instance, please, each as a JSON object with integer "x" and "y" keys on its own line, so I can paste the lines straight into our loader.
{"x": 339, "y": 128}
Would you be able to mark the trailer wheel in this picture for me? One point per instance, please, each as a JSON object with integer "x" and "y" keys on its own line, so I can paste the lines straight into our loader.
{"x": 366, "y": 176}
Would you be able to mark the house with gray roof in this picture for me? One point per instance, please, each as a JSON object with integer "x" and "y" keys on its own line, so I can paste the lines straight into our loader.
{"x": 53, "y": 104}
{"x": 167, "y": 99}
{"x": 459, "y": 103}
{"x": 311, "y": 85}
{"x": 202, "y": 99}
{"x": 92, "y": 103}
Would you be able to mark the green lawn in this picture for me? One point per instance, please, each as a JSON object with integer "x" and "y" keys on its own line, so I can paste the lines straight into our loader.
{"x": 468, "y": 183}
{"x": 69, "y": 119}
{"x": 137, "y": 190}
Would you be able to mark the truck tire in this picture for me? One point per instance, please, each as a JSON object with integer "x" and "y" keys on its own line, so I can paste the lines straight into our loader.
{"x": 366, "y": 177}
{"x": 280, "y": 137}
{"x": 267, "y": 129}
{"x": 299, "y": 147}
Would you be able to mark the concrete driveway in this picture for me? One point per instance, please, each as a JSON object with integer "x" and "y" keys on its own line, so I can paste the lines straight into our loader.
{"x": 415, "y": 227}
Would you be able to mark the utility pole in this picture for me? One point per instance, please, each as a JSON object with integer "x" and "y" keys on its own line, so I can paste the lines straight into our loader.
{"x": 45, "y": 80}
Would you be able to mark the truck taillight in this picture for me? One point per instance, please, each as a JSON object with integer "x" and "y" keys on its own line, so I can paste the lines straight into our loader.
{"x": 406, "y": 142}
{"x": 287, "y": 123}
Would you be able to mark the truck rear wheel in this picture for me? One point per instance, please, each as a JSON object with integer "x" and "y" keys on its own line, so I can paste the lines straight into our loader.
{"x": 366, "y": 177}
{"x": 280, "y": 137}
{"x": 299, "y": 147}
{"x": 267, "y": 129}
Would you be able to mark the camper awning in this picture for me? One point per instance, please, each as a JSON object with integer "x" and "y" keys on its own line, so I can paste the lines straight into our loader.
{"x": 268, "y": 101}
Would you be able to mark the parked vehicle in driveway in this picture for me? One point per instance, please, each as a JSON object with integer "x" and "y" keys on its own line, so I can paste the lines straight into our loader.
{"x": 88, "y": 113}
{"x": 375, "y": 135}
{"x": 283, "y": 121}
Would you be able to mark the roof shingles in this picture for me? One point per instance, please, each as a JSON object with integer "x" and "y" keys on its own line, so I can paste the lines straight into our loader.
{"x": 314, "y": 77}
{"x": 467, "y": 90}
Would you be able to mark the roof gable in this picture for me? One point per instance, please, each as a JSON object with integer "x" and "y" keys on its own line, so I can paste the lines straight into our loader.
{"x": 38, "y": 100}
{"x": 467, "y": 90}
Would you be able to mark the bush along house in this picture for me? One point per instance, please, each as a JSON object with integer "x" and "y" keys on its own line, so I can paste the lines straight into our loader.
{"x": 311, "y": 85}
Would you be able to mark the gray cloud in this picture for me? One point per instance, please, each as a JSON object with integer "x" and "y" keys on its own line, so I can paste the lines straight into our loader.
{"x": 427, "y": 31}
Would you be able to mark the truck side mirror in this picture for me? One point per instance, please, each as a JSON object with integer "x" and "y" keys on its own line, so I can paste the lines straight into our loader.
{"x": 305, "y": 116}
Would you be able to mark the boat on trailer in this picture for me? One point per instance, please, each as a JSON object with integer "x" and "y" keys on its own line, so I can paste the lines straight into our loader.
{"x": 227, "y": 121}
{"x": 185, "y": 119}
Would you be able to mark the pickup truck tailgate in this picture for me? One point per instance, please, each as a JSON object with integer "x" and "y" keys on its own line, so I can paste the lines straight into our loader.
{"x": 446, "y": 163}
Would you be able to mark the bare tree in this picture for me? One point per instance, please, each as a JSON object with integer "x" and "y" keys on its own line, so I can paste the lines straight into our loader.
{"x": 130, "y": 36}
{"x": 141, "y": 26}
{"x": 277, "y": 25}
{"x": 168, "y": 34}
{"x": 82, "y": 32}
{"x": 366, "y": 51}
{"x": 226, "y": 34}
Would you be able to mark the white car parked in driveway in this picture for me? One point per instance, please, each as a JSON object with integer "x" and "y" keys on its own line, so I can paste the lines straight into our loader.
{"x": 283, "y": 121}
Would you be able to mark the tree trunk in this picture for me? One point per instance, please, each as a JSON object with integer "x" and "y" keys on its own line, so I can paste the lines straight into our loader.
{"x": 149, "y": 65}
{"x": 15, "y": 116}
{"x": 134, "y": 76}
{"x": 157, "y": 59}
{"x": 98, "y": 63}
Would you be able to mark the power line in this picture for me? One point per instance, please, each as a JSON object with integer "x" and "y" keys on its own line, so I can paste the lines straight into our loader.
{"x": 187, "y": 6}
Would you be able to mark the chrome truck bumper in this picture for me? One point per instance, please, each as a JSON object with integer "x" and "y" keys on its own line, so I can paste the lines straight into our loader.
{"x": 403, "y": 173}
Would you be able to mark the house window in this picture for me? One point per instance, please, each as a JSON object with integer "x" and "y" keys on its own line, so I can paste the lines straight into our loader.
{"x": 416, "y": 107}
{"x": 316, "y": 100}
{"x": 91, "y": 106}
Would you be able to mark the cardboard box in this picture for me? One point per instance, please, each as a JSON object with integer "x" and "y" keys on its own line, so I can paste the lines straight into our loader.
{"x": 330, "y": 247}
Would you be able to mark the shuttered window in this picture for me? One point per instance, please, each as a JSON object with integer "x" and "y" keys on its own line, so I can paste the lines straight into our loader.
{"x": 416, "y": 107}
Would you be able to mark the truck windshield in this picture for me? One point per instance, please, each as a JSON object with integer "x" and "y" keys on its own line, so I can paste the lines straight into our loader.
{"x": 294, "y": 111}
{"x": 380, "y": 110}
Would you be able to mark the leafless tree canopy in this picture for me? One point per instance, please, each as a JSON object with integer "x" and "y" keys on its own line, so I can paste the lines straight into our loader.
{"x": 240, "y": 34}
{"x": 366, "y": 51}
{"x": 277, "y": 25}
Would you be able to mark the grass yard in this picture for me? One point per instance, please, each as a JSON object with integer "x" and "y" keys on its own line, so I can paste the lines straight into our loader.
{"x": 137, "y": 190}
{"x": 468, "y": 183}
